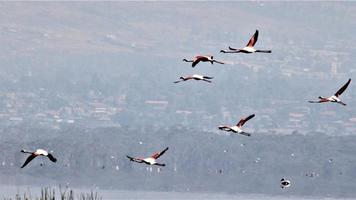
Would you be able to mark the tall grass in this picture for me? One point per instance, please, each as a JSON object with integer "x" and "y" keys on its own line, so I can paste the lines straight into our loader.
{"x": 50, "y": 194}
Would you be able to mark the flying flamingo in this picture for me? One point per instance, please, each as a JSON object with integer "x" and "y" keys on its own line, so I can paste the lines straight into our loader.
{"x": 195, "y": 77}
{"x": 38, "y": 152}
{"x": 248, "y": 48}
{"x": 200, "y": 58}
{"x": 334, "y": 98}
{"x": 150, "y": 160}
{"x": 237, "y": 127}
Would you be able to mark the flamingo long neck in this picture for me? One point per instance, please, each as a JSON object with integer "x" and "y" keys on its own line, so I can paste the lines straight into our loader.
{"x": 184, "y": 78}
{"x": 24, "y": 151}
{"x": 232, "y": 51}
{"x": 187, "y": 60}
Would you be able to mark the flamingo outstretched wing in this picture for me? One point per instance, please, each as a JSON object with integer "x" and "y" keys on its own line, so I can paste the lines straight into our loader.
{"x": 253, "y": 40}
{"x": 343, "y": 88}
{"x": 195, "y": 62}
{"x": 31, "y": 157}
{"x": 159, "y": 154}
{"x": 244, "y": 120}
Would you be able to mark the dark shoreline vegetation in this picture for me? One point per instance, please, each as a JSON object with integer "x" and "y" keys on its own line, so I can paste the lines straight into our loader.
{"x": 48, "y": 193}
{"x": 197, "y": 161}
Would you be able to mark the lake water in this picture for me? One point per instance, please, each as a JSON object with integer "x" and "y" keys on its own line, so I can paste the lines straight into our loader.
{"x": 10, "y": 191}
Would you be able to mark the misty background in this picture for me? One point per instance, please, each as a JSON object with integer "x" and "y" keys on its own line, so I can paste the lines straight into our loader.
{"x": 93, "y": 82}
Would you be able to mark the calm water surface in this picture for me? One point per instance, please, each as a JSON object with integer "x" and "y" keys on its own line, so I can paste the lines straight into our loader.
{"x": 10, "y": 191}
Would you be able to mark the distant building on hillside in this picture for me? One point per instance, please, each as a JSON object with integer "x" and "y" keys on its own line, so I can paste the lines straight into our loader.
{"x": 157, "y": 104}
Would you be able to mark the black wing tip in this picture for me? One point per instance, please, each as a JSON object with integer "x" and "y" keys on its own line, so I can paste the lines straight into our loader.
{"x": 256, "y": 34}
{"x": 348, "y": 81}
{"x": 163, "y": 151}
{"x": 53, "y": 159}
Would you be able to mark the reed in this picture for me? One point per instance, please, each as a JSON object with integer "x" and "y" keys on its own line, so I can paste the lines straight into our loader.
{"x": 48, "y": 193}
